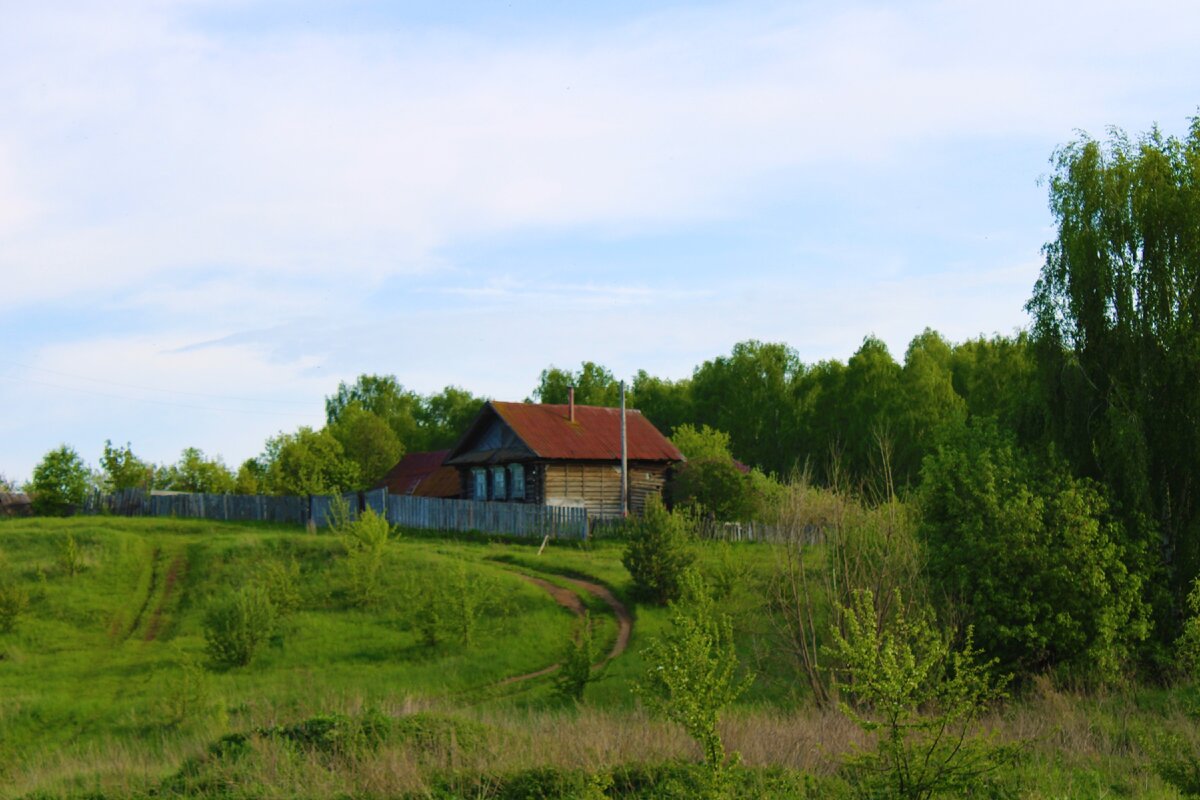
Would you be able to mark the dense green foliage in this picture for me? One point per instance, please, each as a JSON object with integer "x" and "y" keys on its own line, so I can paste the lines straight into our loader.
{"x": 195, "y": 472}
{"x": 235, "y": 627}
{"x": 1117, "y": 322}
{"x": 920, "y": 697}
{"x": 1031, "y": 555}
{"x": 60, "y": 481}
{"x": 124, "y": 470}
{"x": 657, "y": 553}
{"x": 692, "y": 671}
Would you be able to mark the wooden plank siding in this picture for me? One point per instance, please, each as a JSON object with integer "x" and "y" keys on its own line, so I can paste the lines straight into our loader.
{"x": 597, "y": 487}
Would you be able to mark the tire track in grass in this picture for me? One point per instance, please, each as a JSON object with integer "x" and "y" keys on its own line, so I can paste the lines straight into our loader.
{"x": 570, "y": 601}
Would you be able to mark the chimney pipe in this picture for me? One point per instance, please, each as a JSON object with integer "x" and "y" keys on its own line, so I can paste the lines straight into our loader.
{"x": 571, "y": 403}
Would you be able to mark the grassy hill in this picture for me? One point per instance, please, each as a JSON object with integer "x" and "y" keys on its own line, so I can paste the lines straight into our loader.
{"x": 106, "y": 688}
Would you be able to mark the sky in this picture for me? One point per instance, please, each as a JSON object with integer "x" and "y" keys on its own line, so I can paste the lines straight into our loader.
{"x": 213, "y": 212}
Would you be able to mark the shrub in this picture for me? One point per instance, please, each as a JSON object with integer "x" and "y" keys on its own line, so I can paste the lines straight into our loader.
{"x": 692, "y": 671}
{"x": 282, "y": 585}
{"x": 1032, "y": 556}
{"x": 657, "y": 554}
{"x": 70, "y": 560}
{"x": 575, "y": 670}
{"x": 1187, "y": 646}
{"x": 365, "y": 540}
{"x": 235, "y": 627}
{"x": 191, "y": 697}
{"x": 13, "y": 602}
{"x": 921, "y": 698}
{"x": 335, "y": 734}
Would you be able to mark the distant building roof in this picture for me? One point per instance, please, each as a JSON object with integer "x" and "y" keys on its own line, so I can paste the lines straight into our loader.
{"x": 546, "y": 431}
{"x": 423, "y": 475}
{"x": 14, "y": 503}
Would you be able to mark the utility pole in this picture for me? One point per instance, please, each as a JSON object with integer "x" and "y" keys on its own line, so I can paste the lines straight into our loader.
{"x": 624, "y": 459}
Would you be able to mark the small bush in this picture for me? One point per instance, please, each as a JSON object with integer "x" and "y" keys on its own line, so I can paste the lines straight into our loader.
{"x": 191, "y": 698}
{"x": 282, "y": 585}
{"x": 430, "y": 732}
{"x": 1187, "y": 646}
{"x": 335, "y": 734}
{"x": 365, "y": 540}
{"x": 70, "y": 559}
{"x": 575, "y": 671}
{"x": 235, "y": 627}
{"x": 13, "y": 602}
{"x": 692, "y": 673}
{"x": 657, "y": 553}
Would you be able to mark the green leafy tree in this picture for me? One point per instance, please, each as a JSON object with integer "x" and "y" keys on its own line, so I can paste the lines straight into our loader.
{"x": 747, "y": 395}
{"x": 920, "y": 697}
{"x": 308, "y": 462}
{"x": 1115, "y": 311}
{"x": 367, "y": 441}
{"x": 998, "y": 378}
{"x": 251, "y": 477}
{"x": 1031, "y": 556}
{"x": 195, "y": 472}
{"x": 124, "y": 470}
{"x": 692, "y": 672}
{"x": 60, "y": 481}
{"x": 385, "y": 397}
{"x": 594, "y": 386}
{"x": 6, "y": 484}
{"x": 658, "y": 552}
{"x": 445, "y": 416}
{"x": 702, "y": 443}
{"x": 667, "y": 404}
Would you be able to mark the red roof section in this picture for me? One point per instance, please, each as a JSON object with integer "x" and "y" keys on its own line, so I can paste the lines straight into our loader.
{"x": 416, "y": 470}
{"x": 594, "y": 435}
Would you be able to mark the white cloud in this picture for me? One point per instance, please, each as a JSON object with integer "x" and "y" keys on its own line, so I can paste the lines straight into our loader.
{"x": 152, "y": 146}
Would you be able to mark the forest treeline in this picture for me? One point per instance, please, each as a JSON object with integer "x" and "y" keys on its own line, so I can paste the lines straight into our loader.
{"x": 1054, "y": 471}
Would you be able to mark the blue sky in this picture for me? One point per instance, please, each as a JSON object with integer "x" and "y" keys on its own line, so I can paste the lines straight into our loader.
{"x": 212, "y": 212}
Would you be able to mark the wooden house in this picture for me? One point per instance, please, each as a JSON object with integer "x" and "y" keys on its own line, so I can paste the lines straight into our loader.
{"x": 561, "y": 455}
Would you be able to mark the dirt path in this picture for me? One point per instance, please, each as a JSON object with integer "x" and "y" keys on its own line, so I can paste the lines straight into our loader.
{"x": 174, "y": 573}
{"x": 570, "y": 601}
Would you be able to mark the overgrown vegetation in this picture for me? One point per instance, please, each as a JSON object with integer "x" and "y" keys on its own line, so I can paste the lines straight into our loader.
{"x": 658, "y": 552}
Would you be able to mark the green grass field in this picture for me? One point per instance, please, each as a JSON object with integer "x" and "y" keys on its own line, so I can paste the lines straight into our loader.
{"x": 106, "y": 688}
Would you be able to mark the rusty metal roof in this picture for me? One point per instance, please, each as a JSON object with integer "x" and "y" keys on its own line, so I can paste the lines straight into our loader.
{"x": 595, "y": 435}
{"x": 416, "y": 470}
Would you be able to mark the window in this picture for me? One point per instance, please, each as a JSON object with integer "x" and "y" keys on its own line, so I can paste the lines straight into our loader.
{"x": 518, "y": 481}
{"x": 498, "y": 488}
{"x": 480, "y": 476}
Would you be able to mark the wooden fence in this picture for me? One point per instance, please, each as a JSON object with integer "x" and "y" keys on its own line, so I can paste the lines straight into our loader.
{"x": 427, "y": 513}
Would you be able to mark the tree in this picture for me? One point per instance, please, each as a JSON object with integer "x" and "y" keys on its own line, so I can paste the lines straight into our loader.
{"x": 195, "y": 472}
{"x": 445, "y": 416}
{"x": 594, "y": 385}
{"x": 7, "y": 485}
{"x": 123, "y": 470}
{"x": 667, "y": 404}
{"x": 1115, "y": 326}
{"x": 251, "y": 477}
{"x": 692, "y": 671}
{"x": 657, "y": 553}
{"x": 367, "y": 441}
{"x": 60, "y": 482}
{"x": 920, "y": 696}
{"x": 384, "y": 396}
{"x": 1031, "y": 556}
{"x": 308, "y": 462}
{"x": 747, "y": 395}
